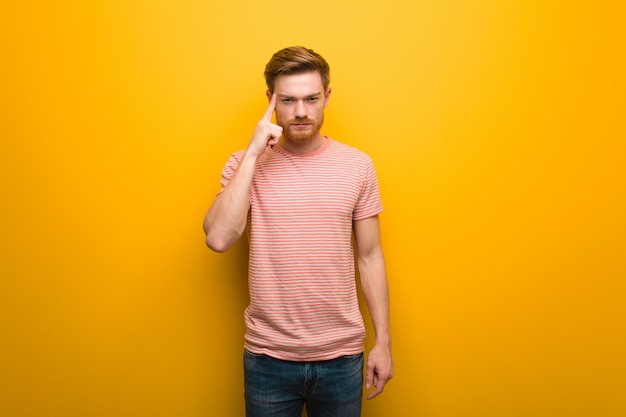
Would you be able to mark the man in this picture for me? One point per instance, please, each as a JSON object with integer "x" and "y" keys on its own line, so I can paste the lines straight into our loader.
{"x": 302, "y": 195}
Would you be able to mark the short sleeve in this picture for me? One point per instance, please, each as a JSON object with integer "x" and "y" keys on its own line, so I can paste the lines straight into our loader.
{"x": 369, "y": 203}
{"x": 230, "y": 168}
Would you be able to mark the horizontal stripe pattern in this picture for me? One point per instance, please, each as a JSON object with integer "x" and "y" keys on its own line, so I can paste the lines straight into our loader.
{"x": 303, "y": 302}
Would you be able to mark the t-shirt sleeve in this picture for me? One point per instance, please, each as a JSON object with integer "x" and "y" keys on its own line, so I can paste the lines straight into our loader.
{"x": 369, "y": 203}
{"x": 229, "y": 169}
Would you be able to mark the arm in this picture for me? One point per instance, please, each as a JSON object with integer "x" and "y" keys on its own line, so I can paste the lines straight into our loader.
{"x": 371, "y": 264}
{"x": 226, "y": 220}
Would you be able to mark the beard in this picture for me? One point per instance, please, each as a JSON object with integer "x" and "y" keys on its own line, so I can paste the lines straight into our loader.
{"x": 295, "y": 134}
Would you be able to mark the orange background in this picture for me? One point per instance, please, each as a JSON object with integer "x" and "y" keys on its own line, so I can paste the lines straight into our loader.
{"x": 498, "y": 132}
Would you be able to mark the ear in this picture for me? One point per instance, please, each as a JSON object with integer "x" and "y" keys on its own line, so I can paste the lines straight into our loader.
{"x": 327, "y": 96}
{"x": 268, "y": 93}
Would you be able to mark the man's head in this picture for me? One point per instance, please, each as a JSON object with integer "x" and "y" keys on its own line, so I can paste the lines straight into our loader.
{"x": 299, "y": 78}
{"x": 296, "y": 60}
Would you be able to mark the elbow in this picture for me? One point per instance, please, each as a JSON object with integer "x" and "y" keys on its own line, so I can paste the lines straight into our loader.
{"x": 220, "y": 238}
{"x": 218, "y": 243}
{"x": 214, "y": 240}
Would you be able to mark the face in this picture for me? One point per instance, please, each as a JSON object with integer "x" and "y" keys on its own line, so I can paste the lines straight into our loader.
{"x": 300, "y": 104}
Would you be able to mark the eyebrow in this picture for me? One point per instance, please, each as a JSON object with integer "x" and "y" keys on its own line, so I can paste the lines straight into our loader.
{"x": 307, "y": 96}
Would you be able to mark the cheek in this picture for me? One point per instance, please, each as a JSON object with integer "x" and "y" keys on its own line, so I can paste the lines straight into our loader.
{"x": 282, "y": 113}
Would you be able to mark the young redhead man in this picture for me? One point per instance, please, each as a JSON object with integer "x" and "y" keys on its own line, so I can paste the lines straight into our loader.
{"x": 302, "y": 196}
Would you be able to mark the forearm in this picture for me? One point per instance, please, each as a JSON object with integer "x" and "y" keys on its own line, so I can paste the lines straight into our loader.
{"x": 227, "y": 217}
{"x": 375, "y": 289}
{"x": 226, "y": 220}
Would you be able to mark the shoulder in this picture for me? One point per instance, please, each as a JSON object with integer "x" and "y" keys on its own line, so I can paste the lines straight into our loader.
{"x": 237, "y": 155}
{"x": 347, "y": 151}
{"x": 234, "y": 158}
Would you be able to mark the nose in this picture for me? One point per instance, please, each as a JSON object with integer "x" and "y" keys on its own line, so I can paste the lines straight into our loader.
{"x": 300, "y": 110}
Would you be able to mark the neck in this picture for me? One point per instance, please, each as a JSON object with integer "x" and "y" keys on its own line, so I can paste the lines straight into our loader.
{"x": 308, "y": 146}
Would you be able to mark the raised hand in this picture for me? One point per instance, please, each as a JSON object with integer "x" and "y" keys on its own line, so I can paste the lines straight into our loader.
{"x": 266, "y": 133}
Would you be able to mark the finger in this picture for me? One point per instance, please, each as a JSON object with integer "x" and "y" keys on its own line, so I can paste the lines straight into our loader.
{"x": 270, "y": 109}
{"x": 275, "y": 132}
{"x": 376, "y": 391}
{"x": 369, "y": 376}
{"x": 379, "y": 386}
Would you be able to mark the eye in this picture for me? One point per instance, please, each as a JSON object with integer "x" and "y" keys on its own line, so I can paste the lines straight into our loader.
{"x": 286, "y": 100}
{"x": 312, "y": 99}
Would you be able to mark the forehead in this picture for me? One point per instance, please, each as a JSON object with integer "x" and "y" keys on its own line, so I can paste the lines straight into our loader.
{"x": 305, "y": 83}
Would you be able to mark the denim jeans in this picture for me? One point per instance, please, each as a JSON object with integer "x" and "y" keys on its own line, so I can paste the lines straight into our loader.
{"x": 279, "y": 388}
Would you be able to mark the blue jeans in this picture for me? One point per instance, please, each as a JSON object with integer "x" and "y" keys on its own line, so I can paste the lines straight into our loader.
{"x": 280, "y": 388}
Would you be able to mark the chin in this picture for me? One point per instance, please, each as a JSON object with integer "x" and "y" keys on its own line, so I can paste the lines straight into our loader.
{"x": 300, "y": 138}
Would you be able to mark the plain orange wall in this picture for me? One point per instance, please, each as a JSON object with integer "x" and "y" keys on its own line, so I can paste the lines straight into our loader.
{"x": 497, "y": 129}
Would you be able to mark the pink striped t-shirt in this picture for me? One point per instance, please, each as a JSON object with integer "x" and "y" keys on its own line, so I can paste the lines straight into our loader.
{"x": 303, "y": 300}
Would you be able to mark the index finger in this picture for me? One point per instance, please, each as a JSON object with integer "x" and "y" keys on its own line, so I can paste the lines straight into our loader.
{"x": 270, "y": 109}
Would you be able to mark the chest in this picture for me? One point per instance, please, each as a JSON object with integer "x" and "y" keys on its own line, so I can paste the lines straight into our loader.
{"x": 299, "y": 189}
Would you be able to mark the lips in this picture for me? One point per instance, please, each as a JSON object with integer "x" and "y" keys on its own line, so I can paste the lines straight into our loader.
{"x": 301, "y": 125}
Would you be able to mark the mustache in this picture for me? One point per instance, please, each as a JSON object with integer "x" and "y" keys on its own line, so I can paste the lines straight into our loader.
{"x": 303, "y": 120}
